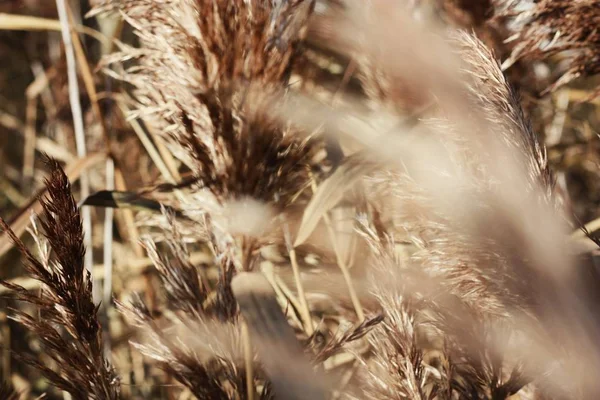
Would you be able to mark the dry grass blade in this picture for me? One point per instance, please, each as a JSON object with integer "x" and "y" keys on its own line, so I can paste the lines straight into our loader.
{"x": 290, "y": 372}
{"x": 30, "y": 23}
{"x": 148, "y": 145}
{"x": 19, "y": 222}
{"x": 330, "y": 192}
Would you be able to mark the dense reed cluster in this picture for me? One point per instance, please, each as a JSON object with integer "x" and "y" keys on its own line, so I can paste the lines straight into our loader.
{"x": 377, "y": 216}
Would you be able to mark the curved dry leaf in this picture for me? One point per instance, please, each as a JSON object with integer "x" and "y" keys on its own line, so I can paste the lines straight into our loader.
{"x": 130, "y": 200}
{"x": 331, "y": 191}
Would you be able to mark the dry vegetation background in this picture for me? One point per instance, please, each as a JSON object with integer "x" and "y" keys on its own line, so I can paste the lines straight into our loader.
{"x": 296, "y": 199}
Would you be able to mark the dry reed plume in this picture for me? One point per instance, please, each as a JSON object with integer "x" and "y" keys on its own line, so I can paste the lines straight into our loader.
{"x": 70, "y": 330}
{"x": 376, "y": 214}
{"x": 566, "y": 29}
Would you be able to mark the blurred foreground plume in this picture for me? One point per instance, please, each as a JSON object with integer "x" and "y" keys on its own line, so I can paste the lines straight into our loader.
{"x": 348, "y": 200}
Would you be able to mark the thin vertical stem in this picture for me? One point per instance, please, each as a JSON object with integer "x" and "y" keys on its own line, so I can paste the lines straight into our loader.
{"x": 78, "y": 127}
{"x": 345, "y": 270}
{"x": 304, "y": 310}
{"x": 108, "y": 229}
{"x": 360, "y": 314}
{"x": 107, "y": 256}
{"x": 29, "y": 147}
{"x": 6, "y": 367}
{"x": 301, "y": 295}
{"x": 248, "y": 361}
